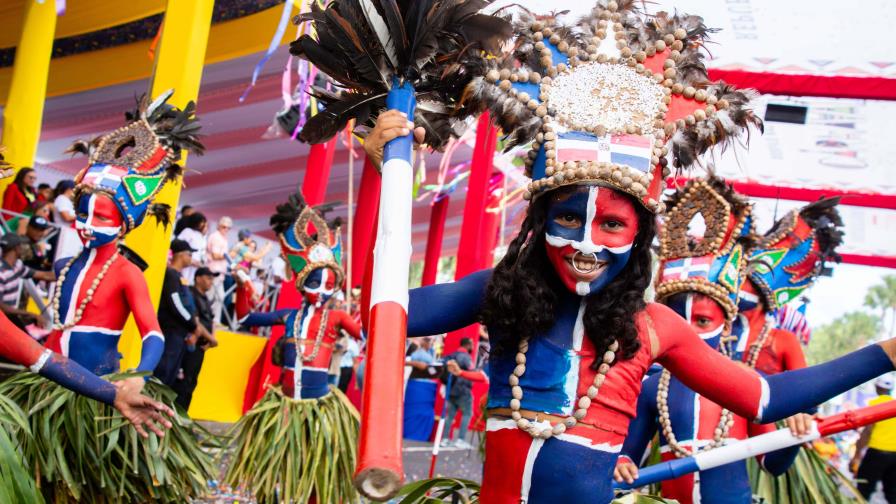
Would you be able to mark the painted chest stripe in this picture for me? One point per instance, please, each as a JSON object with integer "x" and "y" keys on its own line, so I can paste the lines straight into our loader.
{"x": 572, "y": 375}
{"x": 73, "y": 299}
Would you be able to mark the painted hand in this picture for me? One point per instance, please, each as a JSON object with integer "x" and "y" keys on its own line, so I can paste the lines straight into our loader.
{"x": 389, "y": 125}
{"x": 625, "y": 470}
{"x": 143, "y": 412}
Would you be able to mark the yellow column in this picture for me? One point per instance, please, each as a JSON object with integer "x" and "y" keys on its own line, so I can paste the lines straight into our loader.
{"x": 24, "y": 110}
{"x": 179, "y": 62}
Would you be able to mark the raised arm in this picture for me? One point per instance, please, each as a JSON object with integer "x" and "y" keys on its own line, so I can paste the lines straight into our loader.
{"x": 745, "y": 392}
{"x": 441, "y": 308}
{"x": 643, "y": 427}
{"x": 347, "y": 323}
{"x": 137, "y": 295}
{"x": 265, "y": 319}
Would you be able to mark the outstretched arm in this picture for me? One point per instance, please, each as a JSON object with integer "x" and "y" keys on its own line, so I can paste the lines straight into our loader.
{"x": 140, "y": 410}
{"x": 441, "y": 308}
{"x": 345, "y": 322}
{"x": 745, "y": 392}
{"x": 265, "y": 319}
{"x": 137, "y": 295}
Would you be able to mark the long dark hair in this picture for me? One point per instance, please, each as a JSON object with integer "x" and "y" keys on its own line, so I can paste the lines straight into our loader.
{"x": 522, "y": 295}
{"x": 193, "y": 221}
{"x": 20, "y": 181}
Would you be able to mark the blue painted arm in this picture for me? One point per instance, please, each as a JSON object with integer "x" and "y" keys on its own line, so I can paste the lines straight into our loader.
{"x": 151, "y": 352}
{"x": 265, "y": 319}
{"x": 791, "y": 392}
{"x": 441, "y": 308}
{"x": 643, "y": 427}
{"x": 777, "y": 462}
{"x": 72, "y": 376}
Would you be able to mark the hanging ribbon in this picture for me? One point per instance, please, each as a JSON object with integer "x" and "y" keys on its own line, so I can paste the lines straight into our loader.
{"x": 272, "y": 47}
{"x": 155, "y": 42}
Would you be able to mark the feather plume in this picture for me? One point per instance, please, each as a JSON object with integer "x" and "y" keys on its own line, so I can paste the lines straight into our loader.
{"x": 287, "y": 213}
{"x": 161, "y": 212}
{"x": 363, "y": 45}
{"x": 825, "y": 220}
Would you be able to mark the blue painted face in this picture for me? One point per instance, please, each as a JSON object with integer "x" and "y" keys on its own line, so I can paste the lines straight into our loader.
{"x": 98, "y": 221}
{"x": 590, "y": 233}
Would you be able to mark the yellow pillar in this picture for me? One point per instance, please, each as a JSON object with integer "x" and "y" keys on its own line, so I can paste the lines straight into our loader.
{"x": 179, "y": 62}
{"x": 24, "y": 110}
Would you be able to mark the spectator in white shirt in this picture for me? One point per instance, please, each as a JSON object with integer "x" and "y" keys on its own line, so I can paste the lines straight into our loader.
{"x": 195, "y": 227}
{"x": 68, "y": 245}
{"x": 218, "y": 262}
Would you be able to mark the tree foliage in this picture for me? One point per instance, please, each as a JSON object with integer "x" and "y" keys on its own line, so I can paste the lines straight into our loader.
{"x": 883, "y": 297}
{"x": 845, "y": 334}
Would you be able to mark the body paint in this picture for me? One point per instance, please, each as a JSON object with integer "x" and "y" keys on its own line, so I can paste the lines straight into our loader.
{"x": 99, "y": 221}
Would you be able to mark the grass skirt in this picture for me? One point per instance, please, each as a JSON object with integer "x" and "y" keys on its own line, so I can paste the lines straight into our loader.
{"x": 80, "y": 450}
{"x": 809, "y": 479}
{"x": 457, "y": 491}
{"x": 289, "y": 450}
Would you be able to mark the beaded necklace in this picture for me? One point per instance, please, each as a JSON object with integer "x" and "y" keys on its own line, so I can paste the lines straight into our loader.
{"x": 583, "y": 402}
{"x": 79, "y": 312}
{"x": 756, "y": 347}
{"x": 726, "y": 420}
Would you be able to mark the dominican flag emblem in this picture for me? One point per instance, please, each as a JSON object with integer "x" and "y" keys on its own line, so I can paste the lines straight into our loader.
{"x": 690, "y": 267}
{"x": 104, "y": 176}
{"x": 634, "y": 151}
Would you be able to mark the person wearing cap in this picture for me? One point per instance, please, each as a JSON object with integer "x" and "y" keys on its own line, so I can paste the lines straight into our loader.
{"x": 217, "y": 258}
{"x": 177, "y": 313}
{"x": 879, "y": 460}
{"x": 202, "y": 339}
{"x": 13, "y": 273}
{"x": 37, "y": 254}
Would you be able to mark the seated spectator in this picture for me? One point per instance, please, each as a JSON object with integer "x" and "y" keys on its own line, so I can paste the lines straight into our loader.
{"x": 195, "y": 226}
{"x": 37, "y": 254}
{"x": 63, "y": 203}
{"x": 44, "y": 192}
{"x": 12, "y": 277}
{"x": 20, "y": 193}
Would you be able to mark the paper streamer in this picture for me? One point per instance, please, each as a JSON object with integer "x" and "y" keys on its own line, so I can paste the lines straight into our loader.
{"x": 275, "y": 43}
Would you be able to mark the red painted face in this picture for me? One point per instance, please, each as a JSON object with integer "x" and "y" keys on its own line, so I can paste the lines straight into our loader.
{"x": 706, "y": 316}
{"x": 590, "y": 233}
{"x": 319, "y": 285}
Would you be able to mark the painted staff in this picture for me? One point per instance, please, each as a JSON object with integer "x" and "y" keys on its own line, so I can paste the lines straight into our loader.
{"x": 386, "y": 54}
{"x": 759, "y": 445}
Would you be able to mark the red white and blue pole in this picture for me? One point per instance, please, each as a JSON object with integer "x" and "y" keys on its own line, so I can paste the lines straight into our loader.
{"x": 379, "y": 473}
{"x": 761, "y": 444}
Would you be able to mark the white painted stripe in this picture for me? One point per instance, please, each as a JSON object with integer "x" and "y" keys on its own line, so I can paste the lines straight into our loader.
{"x": 711, "y": 334}
{"x": 101, "y": 330}
{"x": 763, "y": 398}
{"x": 392, "y": 252}
{"x": 153, "y": 334}
{"x": 585, "y": 247}
{"x": 588, "y": 443}
{"x": 41, "y": 361}
{"x": 65, "y": 340}
{"x": 496, "y": 424}
{"x": 531, "y": 456}
{"x": 571, "y": 382}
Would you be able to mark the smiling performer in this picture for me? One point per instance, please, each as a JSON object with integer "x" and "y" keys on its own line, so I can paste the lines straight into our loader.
{"x": 571, "y": 334}
{"x": 95, "y": 293}
{"x": 699, "y": 278}
{"x": 314, "y": 424}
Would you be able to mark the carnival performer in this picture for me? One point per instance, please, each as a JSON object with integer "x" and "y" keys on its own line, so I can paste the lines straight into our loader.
{"x": 307, "y": 420}
{"x": 699, "y": 279}
{"x": 572, "y": 335}
{"x": 96, "y": 292}
{"x": 786, "y": 262}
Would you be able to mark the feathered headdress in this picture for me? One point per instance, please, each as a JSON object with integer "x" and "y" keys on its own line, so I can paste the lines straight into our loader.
{"x": 602, "y": 99}
{"x": 794, "y": 251}
{"x": 712, "y": 263}
{"x": 366, "y": 45}
{"x": 306, "y": 242}
{"x": 132, "y": 163}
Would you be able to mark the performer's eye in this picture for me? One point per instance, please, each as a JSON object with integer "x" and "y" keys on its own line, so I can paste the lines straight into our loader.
{"x": 613, "y": 225}
{"x": 569, "y": 220}
{"x": 704, "y": 322}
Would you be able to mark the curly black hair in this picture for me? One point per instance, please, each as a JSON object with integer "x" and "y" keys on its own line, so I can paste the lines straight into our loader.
{"x": 522, "y": 294}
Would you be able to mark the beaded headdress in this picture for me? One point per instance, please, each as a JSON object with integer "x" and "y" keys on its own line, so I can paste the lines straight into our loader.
{"x": 712, "y": 263}
{"x": 306, "y": 242}
{"x": 603, "y": 99}
{"x": 794, "y": 251}
{"x": 132, "y": 163}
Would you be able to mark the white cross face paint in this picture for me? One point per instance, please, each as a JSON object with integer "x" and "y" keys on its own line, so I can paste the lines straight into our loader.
{"x": 98, "y": 222}
{"x": 319, "y": 285}
{"x": 589, "y": 236}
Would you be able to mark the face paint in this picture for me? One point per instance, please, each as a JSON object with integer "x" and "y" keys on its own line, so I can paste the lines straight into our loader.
{"x": 704, "y": 314}
{"x": 319, "y": 285}
{"x": 748, "y": 298}
{"x": 99, "y": 221}
{"x": 589, "y": 236}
